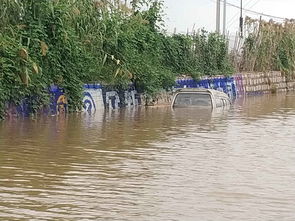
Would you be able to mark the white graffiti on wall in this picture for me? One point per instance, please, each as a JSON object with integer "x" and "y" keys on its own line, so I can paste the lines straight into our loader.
{"x": 92, "y": 100}
{"x": 130, "y": 98}
{"x": 112, "y": 100}
{"x": 97, "y": 98}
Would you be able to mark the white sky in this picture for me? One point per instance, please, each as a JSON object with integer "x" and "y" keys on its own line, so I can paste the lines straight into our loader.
{"x": 184, "y": 14}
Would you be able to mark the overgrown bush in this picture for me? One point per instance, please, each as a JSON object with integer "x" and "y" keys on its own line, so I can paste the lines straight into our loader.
{"x": 198, "y": 54}
{"x": 68, "y": 43}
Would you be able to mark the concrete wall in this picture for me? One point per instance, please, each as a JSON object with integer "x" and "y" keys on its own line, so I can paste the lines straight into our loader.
{"x": 100, "y": 97}
{"x": 58, "y": 105}
{"x": 95, "y": 97}
{"x": 269, "y": 82}
{"x": 242, "y": 84}
{"x": 220, "y": 83}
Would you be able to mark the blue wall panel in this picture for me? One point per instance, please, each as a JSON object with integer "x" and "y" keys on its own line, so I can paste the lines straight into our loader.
{"x": 225, "y": 84}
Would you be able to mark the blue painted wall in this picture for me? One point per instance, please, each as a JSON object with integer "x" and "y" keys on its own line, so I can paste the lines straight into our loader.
{"x": 225, "y": 84}
{"x": 58, "y": 101}
{"x": 100, "y": 97}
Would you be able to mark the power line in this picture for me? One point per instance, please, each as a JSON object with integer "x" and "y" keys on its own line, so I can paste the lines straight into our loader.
{"x": 255, "y": 12}
{"x": 232, "y": 20}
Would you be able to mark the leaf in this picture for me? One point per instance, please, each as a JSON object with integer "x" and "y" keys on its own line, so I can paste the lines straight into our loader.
{"x": 28, "y": 43}
{"x": 130, "y": 75}
{"x": 24, "y": 76}
{"x": 104, "y": 59}
{"x": 44, "y": 48}
{"x": 23, "y": 53}
{"x": 35, "y": 68}
{"x": 117, "y": 72}
{"x": 21, "y": 26}
{"x": 76, "y": 11}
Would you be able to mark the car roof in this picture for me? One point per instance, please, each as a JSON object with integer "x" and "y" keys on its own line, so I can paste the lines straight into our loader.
{"x": 202, "y": 90}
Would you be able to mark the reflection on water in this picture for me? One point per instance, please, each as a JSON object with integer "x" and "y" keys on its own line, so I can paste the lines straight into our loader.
{"x": 152, "y": 164}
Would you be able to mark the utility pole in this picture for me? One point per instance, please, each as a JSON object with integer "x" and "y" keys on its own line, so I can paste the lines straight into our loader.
{"x": 218, "y": 16}
{"x": 224, "y": 18}
{"x": 241, "y": 20}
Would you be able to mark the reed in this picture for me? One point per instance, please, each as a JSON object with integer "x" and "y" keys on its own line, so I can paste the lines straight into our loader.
{"x": 269, "y": 46}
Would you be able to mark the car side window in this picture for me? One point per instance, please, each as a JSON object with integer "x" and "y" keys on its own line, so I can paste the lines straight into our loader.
{"x": 225, "y": 102}
{"x": 219, "y": 102}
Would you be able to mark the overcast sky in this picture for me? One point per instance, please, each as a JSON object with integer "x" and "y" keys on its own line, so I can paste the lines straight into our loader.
{"x": 185, "y": 14}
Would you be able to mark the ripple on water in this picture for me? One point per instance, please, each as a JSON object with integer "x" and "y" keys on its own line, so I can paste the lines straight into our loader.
{"x": 152, "y": 164}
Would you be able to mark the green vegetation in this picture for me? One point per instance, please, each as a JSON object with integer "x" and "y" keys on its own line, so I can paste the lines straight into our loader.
{"x": 70, "y": 42}
{"x": 269, "y": 46}
{"x": 198, "y": 54}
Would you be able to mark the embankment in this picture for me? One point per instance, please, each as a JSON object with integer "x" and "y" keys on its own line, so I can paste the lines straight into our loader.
{"x": 97, "y": 97}
{"x": 240, "y": 84}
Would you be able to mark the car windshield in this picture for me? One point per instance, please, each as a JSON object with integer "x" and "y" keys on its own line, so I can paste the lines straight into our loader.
{"x": 192, "y": 99}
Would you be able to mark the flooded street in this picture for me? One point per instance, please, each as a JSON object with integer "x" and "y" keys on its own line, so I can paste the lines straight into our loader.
{"x": 153, "y": 164}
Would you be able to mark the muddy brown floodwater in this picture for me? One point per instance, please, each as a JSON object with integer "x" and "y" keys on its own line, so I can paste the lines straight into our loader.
{"x": 153, "y": 164}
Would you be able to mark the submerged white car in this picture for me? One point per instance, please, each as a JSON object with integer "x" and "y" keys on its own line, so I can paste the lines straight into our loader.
{"x": 199, "y": 97}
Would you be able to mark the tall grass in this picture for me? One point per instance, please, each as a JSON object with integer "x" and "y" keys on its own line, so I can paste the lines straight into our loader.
{"x": 269, "y": 46}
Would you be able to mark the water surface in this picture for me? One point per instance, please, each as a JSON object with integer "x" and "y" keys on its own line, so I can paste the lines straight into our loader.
{"x": 153, "y": 164}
